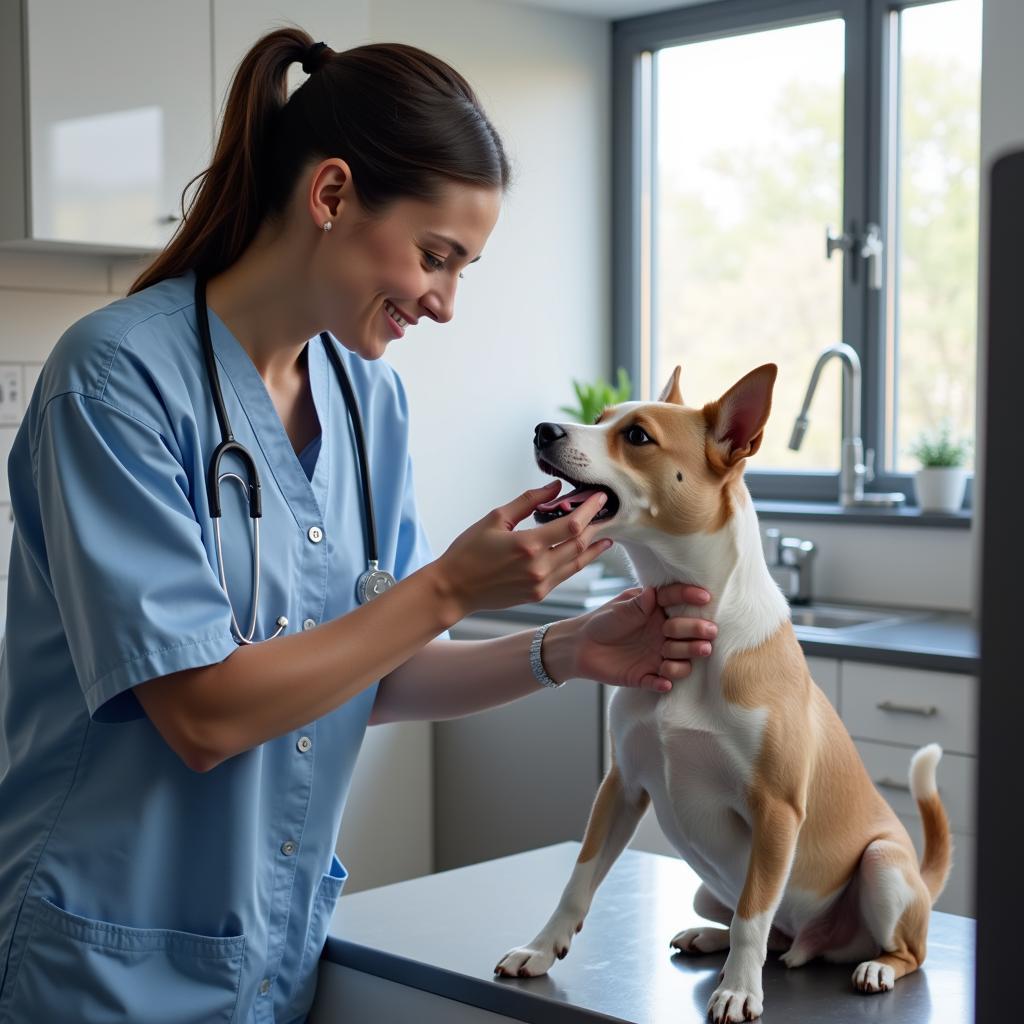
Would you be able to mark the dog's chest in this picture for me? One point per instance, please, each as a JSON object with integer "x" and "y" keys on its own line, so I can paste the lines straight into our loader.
{"x": 692, "y": 743}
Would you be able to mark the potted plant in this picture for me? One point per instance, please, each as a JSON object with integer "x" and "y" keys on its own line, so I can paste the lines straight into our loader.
{"x": 942, "y": 478}
{"x": 593, "y": 398}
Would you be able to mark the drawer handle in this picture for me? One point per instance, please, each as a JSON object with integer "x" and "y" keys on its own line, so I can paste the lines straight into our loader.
{"x": 910, "y": 709}
{"x": 888, "y": 783}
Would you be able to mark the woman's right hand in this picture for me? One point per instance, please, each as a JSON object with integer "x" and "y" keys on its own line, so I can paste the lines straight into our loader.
{"x": 493, "y": 565}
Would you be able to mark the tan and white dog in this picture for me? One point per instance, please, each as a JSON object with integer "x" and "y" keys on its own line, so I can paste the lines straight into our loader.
{"x": 754, "y": 779}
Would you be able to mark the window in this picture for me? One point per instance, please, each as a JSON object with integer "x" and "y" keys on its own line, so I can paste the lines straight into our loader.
{"x": 747, "y": 129}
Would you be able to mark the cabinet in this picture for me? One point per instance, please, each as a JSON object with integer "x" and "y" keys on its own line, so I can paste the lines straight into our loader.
{"x": 106, "y": 110}
{"x": 517, "y": 777}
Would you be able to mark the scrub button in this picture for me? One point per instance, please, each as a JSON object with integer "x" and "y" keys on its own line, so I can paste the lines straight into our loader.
{"x": 288, "y": 847}
{"x": 264, "y": 986}
{"x": 304, "y": 744}
{"x": 308, "y": 623}
{"x": 315, "y": 534}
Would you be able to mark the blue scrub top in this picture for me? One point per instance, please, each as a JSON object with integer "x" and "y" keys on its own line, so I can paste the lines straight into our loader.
{"x": 132, "y": 888}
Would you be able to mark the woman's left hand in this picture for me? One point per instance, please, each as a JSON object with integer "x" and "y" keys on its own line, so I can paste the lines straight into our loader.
{"x": 630, "y": 641}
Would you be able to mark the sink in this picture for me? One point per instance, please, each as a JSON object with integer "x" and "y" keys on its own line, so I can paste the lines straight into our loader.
{"x": 831, "y": 618}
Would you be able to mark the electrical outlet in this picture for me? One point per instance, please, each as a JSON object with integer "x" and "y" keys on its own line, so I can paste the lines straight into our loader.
{"x": 12, "y": 405}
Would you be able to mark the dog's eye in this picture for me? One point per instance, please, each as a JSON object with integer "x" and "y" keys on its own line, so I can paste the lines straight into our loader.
{"x": 637, "y": 435}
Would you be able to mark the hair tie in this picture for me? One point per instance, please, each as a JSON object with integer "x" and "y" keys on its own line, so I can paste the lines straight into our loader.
{"x": 311, "y": 58}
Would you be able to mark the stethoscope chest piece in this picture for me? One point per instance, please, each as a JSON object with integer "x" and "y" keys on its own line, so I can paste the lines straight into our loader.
{"x": 373, "y": 583}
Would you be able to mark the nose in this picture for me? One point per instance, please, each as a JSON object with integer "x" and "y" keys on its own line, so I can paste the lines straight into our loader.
{"x": 439, "y": 304}
{"x": 545, "y": 434}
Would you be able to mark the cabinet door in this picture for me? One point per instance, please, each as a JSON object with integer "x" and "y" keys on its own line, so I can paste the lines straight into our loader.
{"x": 120, "y": 110}
{"x": 825, "y": 672}
{"x": 889, "y": 768}
{"x": 515, "y": 777}
{"x": 910, "y": 706}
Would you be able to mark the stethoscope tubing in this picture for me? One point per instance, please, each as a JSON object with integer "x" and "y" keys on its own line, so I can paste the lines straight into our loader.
{"x": 374, "y": 581}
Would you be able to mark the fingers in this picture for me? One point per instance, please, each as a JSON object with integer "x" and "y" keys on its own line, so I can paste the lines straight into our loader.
{"x": 674, "y": 594}
{"x": 668, "y": 672}
{"x": 573, "y": 524}
{"x": 685, "y": 650}
{"x": 519, "y": 508}
{"x": 689, "y": 629}
{"x": 575, "y": 561}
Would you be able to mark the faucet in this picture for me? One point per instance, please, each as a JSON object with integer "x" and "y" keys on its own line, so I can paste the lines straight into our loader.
{"x": 790, "y": 561}
{"x": 853, "y": 472}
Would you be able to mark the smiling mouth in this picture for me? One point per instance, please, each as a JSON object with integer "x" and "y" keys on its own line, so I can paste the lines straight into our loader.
{"x": 571, "y": 500}
{"x": 392, "y": 311}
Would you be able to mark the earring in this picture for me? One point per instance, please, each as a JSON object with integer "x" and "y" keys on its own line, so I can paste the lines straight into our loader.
{"x": 327, "y": 225}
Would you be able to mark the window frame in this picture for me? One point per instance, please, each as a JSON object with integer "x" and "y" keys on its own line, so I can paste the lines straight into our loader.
{"x": 869, "y": 133}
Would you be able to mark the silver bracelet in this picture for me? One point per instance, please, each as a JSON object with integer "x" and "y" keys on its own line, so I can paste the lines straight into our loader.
{"x": 536, "y": 665}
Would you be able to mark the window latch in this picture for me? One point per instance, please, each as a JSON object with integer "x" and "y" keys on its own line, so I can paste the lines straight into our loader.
{"x": 868, "y": 246}
{"x": 871, "y": 248}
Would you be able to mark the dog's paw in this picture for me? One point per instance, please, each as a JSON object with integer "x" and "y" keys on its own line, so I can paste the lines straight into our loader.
{"x": 871, "y": 976}
{"x": 701, "y": 940}
{"x": 528, "y": 961}
{"x": 795, "y": 956}
{"x": 733, "y": 1005}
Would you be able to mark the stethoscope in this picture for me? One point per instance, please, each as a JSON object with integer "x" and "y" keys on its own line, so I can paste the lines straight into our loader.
{"x": 374, "y": 581}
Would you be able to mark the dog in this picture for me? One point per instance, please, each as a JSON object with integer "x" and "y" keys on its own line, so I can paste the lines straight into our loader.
{"x": 753, "y": 777}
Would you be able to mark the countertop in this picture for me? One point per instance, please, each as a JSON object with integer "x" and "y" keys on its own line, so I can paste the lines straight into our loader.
{"x": 939, "y": 641}
{"x": 445, "y": 932}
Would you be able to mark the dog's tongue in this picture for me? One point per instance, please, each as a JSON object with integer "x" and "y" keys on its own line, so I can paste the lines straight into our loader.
{"x": 567, "y": 502}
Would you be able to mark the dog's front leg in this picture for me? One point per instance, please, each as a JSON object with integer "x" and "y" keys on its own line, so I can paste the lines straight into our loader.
{"x": 613, "y": 820}
{"x": 739, "y": 996}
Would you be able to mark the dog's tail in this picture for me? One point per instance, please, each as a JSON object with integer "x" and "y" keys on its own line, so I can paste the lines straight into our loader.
{"x": 938, "y": 845}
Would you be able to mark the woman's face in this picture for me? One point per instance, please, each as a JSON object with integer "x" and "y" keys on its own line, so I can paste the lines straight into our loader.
{"x": 376, "y": 276}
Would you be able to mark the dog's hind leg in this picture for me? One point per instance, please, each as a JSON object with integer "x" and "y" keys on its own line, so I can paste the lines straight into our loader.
{"x": 613, "y": 820}
{"x": 705, "y": 940}
{"x": 895, "y": 905}
{"x": 713, "y": 940}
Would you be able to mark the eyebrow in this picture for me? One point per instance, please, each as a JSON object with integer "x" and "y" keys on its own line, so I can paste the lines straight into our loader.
{"x": 458, "y": 248}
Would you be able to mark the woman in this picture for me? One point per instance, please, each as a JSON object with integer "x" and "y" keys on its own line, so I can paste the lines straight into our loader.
{"x": 171, "y": 787}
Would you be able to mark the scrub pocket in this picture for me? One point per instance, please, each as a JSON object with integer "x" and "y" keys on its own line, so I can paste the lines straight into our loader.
{"x": 324, "y": 902}
{"x": 76, "y": 969}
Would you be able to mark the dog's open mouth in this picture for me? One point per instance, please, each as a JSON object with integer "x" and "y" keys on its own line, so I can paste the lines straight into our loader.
{"x": 566, "y": 503}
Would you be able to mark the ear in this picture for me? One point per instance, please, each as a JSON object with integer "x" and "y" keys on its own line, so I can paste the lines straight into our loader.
{"x": 736, "y": 421}
{"x": 330, "y": 186}
{"x": 670, "y": 392}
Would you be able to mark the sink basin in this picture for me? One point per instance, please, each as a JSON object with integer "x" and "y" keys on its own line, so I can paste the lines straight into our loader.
{"x": 832, "y": 618}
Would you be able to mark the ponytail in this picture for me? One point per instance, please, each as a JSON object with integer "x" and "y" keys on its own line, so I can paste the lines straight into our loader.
{"x": 405, "y": 122}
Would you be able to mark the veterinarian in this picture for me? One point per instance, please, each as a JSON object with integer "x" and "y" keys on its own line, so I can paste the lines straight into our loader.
{"x": 179, "y": 715}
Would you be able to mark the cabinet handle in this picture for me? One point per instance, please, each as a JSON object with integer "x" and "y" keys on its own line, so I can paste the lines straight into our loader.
{"x": 888, "y": 783}
{"x": 910, "y": 709}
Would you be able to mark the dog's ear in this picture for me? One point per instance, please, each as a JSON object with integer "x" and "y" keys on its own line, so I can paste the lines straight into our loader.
{"x": 736, "y": 421}
{"x": 670, "y": 392}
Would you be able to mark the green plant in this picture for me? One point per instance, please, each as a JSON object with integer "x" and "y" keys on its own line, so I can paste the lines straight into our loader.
{"x": 938, "y": 448}
{"x": 594, "y": 398}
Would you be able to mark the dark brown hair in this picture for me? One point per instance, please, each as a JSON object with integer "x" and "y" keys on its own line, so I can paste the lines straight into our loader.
{"x": 405, "y": 122}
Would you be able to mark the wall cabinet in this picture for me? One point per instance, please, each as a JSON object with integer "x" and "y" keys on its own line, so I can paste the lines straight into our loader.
{"x": 107, "y": 109}
{"x": 106, "y": 112}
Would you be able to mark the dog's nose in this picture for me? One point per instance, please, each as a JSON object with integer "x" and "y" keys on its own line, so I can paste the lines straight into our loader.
{"x": 546, "y": 433}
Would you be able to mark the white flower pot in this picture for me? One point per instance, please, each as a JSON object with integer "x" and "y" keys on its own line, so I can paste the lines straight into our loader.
{"x": 940, "y": 488}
